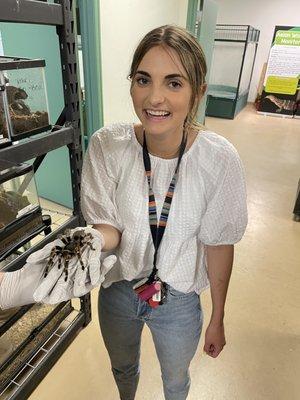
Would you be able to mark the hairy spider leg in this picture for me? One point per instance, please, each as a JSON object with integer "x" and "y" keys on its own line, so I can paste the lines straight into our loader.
{"x": 59, "y": 260}
{"x": 89, "y": 236}
{"x": 66, "y": 265}
{"x": 50, "y": 261}
{"x": 78, "y": 254}
{"x": 66, "y": 240}
{"x": 90, "y": 246}
{"x": 87, "y": 240}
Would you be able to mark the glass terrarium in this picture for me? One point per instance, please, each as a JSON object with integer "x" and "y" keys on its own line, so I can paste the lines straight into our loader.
{"x": 4, "y": 116}
{"x": 231, "y": 70}
{"x": 24, "y": 105}
{"x": 20, "y": 211}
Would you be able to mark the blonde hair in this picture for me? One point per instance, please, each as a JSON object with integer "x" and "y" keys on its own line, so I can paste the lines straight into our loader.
{"x": 191, "y": 56}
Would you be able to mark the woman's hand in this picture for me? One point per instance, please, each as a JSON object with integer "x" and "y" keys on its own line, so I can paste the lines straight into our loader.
{"x": 214, "y": 339}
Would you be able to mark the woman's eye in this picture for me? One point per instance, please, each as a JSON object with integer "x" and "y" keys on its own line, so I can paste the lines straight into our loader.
{"x": 175, "y": 84}
{"x": 142, "y": 81}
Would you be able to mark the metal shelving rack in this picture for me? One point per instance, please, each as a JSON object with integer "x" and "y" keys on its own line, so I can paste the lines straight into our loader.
{"x": 59, "y": 14}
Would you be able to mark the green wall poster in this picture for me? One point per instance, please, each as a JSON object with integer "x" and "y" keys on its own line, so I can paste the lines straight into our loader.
{"x": 281, "y": 83}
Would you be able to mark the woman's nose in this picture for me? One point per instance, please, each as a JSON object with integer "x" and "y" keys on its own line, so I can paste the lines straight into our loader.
{"x": 156, "y": 96}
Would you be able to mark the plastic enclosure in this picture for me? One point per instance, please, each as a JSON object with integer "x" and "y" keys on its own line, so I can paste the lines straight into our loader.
{"x": 24, "y": 109}
{"x": 20, "y": 211}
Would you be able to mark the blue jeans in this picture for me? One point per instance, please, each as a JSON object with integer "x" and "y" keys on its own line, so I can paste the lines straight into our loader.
{"x": 175, "y": 327}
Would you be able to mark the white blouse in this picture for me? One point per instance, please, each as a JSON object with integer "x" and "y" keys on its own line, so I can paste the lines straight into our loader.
{"x": 208, "y": 208}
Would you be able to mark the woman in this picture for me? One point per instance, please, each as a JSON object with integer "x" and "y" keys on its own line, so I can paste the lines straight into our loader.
{"x": 168, "y": 198}
{"x": 206, "y": 217}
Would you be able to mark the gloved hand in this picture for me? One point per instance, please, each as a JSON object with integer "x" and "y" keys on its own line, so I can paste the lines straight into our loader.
{"x": 17, "y": 287}
{"x": 39, "y": 260}
{"x": 28, "y": 284}
{"x": 64, "y": 290}
{"x": 63, "y": 278}
{"x": 82, "y": 283}
{"x": 91, "y": 275}
{"x": 56, "y": 287}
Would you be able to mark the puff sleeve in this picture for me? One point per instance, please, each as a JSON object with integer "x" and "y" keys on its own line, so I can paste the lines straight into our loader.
{"x": 98, "y": 187}
{"x": 225, "y": 219}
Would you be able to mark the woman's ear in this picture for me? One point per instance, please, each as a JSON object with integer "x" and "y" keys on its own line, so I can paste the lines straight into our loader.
{"x": 202, "y": 90}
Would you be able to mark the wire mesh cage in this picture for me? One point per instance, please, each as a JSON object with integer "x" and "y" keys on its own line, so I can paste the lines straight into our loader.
{"x": 232, "y": 65}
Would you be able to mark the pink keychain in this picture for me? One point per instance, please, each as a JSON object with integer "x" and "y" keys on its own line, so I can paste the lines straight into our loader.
{"x": 149, "y": 291}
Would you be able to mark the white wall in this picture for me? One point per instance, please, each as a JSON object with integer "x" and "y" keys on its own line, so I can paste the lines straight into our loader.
{"x": 263, "y": 15}
{"x": 123, "y": 24}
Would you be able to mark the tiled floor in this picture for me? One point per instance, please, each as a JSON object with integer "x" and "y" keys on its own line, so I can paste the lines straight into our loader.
{"x": 261, "y": 360}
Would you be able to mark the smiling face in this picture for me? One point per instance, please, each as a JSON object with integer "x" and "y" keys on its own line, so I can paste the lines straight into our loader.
{"x": 161, "y": 92}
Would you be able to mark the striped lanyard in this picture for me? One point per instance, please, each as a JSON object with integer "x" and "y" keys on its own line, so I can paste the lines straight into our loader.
{"x": 158, "y": 229}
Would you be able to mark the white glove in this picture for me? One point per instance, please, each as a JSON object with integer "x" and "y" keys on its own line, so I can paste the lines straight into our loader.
{"x": 55, "y": 288}
{"x": 40, "y": 259}
{"x": 17, "y": 287}
{"x": 91, "y": 260}
{"x": 55, "y": 282}
{"x": 90, "y": 276}
{"x": 84, "y": 284}
{"x": 28, "y": 284}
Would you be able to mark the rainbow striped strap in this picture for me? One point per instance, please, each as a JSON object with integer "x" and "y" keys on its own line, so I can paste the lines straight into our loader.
{"x": 158, "y": 227}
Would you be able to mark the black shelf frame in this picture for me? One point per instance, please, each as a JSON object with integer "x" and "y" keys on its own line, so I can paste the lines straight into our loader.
{"x": 296, "y": 210}
{"x": 36, "y": 146}
{"x": 24, "y": 11}
{"x": 61, "y": 15}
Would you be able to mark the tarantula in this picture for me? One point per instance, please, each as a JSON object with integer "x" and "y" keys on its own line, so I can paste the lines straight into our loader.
{"x": 74, "y": 246}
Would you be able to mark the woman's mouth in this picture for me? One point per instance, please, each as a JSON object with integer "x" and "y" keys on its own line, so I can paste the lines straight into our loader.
{"x": 156, "y": 115}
